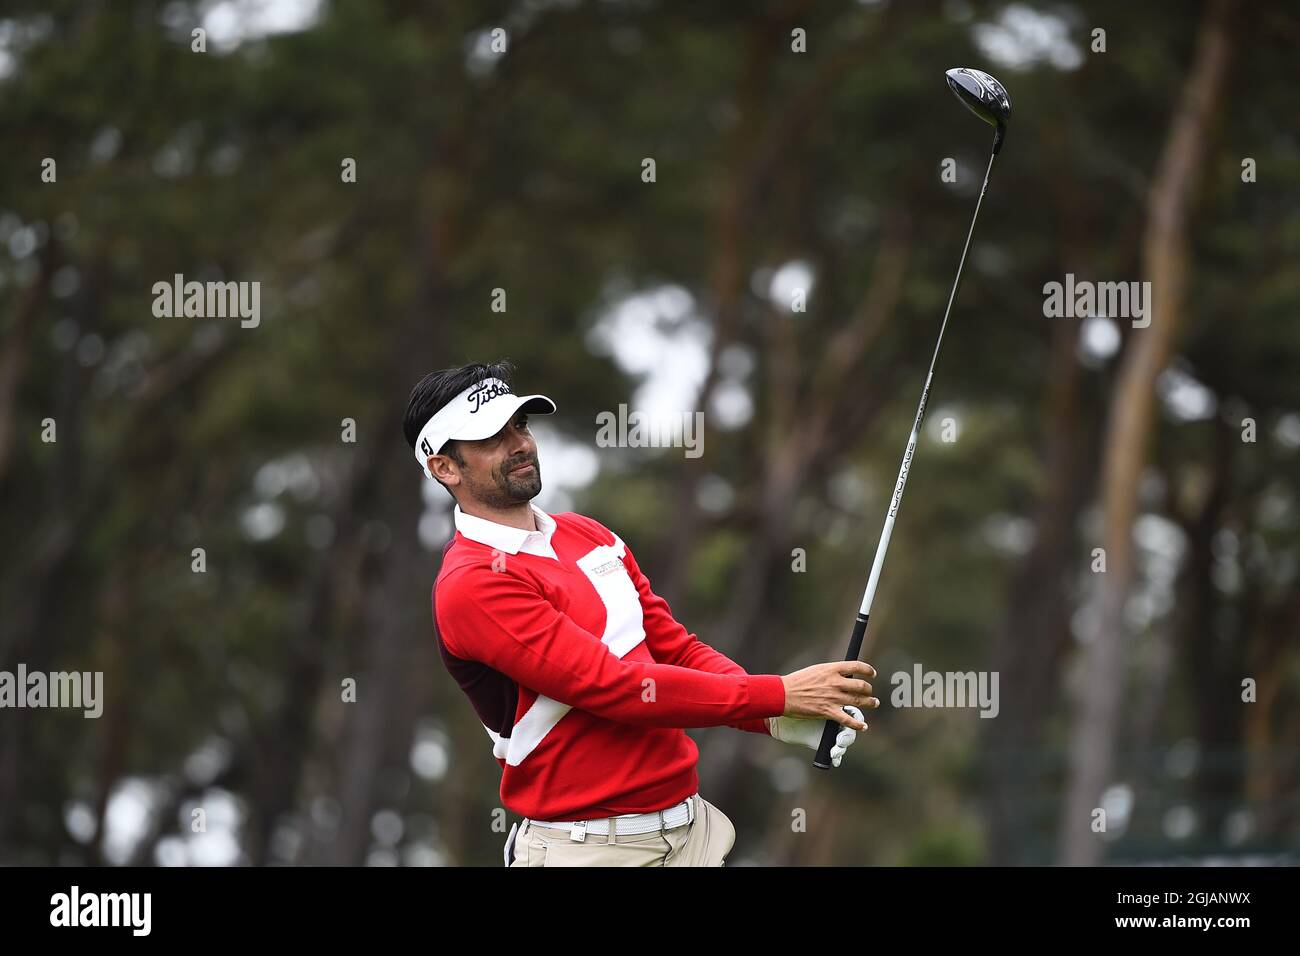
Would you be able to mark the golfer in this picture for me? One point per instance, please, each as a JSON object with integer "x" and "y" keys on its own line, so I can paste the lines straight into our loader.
{"x": 580, "y": 674}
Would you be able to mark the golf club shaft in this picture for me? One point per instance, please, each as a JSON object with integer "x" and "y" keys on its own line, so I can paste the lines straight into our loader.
{"x": 823, "y": 759}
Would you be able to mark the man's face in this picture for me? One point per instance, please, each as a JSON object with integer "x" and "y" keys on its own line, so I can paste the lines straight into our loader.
{"x": 499, "y": 471}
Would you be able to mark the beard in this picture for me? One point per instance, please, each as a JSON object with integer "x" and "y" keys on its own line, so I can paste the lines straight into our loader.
{"x": 502, "y": 489}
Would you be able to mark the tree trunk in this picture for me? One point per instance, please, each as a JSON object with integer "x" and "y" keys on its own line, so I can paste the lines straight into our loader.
{"x": 1129, "y": 427}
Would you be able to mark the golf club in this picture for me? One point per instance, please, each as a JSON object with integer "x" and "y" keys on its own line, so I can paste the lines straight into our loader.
{"x": 986, "y": 98}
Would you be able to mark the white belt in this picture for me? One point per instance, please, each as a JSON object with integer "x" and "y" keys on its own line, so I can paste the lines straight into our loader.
{"x": 626, "y": 824}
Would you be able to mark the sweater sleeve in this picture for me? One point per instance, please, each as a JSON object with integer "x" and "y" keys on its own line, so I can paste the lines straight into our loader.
{"x": 671, "y": 643}
{"x": 504, "y": 622}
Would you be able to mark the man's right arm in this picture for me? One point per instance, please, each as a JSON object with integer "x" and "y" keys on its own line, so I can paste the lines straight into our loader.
{"x": 502, "y": 621}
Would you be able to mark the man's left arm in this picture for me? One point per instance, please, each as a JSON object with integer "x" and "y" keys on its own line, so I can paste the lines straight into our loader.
{"x": 671, "y": 643}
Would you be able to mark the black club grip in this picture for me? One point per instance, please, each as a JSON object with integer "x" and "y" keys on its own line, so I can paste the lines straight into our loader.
{"x": 832, "y": 729}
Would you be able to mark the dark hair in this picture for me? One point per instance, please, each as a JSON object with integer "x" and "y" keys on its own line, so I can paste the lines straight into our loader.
{"x": 438, "y": 388}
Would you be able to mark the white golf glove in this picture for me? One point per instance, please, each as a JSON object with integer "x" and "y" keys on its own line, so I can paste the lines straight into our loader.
{"x": 808, "y": 731}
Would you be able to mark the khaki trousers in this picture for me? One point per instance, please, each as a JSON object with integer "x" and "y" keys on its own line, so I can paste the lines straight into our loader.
{"x": 705, "y": 842}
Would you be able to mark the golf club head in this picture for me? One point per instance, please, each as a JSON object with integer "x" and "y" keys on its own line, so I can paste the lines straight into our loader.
{"x": 984, "y": 96}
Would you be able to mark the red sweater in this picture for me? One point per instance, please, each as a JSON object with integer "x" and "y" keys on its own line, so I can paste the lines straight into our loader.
{"x": 581, "y": 675}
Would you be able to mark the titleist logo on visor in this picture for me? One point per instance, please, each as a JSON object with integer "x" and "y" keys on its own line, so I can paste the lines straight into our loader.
{"x": 485, "y": 392}
{"x": 450, "y": 418}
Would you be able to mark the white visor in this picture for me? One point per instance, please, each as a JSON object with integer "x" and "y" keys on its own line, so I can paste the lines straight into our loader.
{"x": 480, "y": 411}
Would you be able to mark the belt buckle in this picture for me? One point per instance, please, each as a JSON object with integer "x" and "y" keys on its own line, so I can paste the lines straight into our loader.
{"x": 578, "y": 831}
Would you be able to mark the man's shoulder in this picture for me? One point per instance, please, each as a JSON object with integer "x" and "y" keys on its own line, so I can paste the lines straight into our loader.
{"x": 587, "y": 527}
{"x": 594, "y": 531}
{"x": 461, "y": 559}
{"x": 472, "y": 575}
